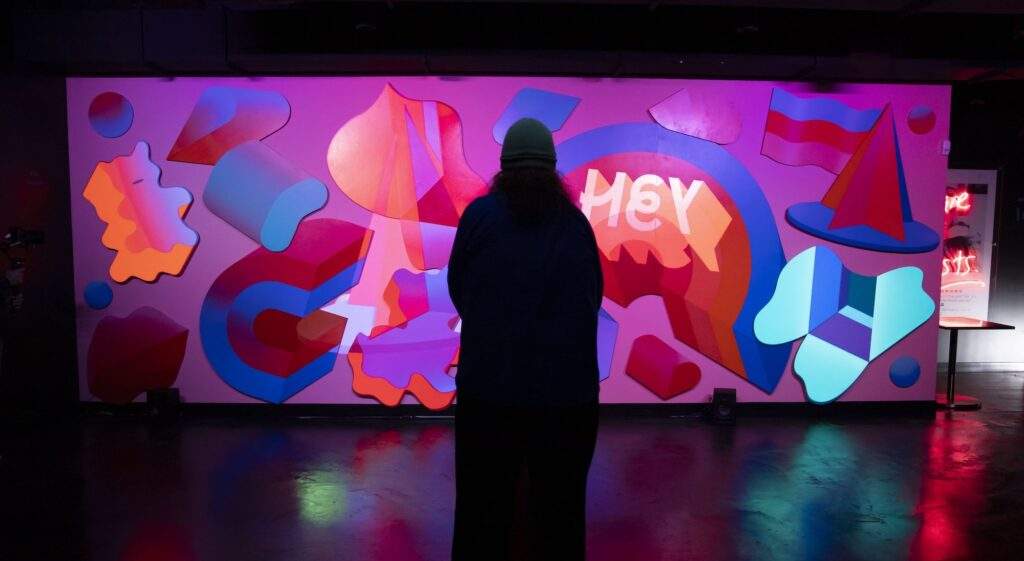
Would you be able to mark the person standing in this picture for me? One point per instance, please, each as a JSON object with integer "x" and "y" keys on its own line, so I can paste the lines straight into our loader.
{"x": 526, "y": 280}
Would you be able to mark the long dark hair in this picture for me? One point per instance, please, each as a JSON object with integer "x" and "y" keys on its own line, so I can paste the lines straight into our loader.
{"x": 532, "y": 194}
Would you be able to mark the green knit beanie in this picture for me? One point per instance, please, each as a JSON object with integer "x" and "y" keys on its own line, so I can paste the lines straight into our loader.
{"x": 528, "y": 144}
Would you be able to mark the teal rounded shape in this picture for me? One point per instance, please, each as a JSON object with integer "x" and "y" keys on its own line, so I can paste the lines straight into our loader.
{"x": 262, "y": 194}
{"x": 288, "y": 209}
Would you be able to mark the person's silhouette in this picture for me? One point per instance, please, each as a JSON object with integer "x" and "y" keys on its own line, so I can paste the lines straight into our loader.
{"x": 525, "y": 277}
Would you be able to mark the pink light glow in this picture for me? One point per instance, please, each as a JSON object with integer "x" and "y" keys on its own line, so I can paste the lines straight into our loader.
{"x": 957, "y": 321}
{"x": 959, "y": 201}
{"x": 960, "y": 264}
{"x": 963, "y": 283}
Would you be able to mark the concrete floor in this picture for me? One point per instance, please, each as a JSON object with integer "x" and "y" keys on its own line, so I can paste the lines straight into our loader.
{"x": 875, "y": 488}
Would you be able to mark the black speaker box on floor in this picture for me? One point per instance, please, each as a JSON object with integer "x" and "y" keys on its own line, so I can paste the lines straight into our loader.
{"x": 163, "y": 404}
{"x": 723, "y": 406}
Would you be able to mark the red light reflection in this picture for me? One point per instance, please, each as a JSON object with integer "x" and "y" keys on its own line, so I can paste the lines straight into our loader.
{"x": 952, "y": 490}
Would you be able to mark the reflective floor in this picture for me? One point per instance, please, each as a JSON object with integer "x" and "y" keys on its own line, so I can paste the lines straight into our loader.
{"x": 770, "y": 488}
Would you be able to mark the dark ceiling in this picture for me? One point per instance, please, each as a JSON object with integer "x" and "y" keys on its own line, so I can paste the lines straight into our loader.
{"x": 908, "y": 40}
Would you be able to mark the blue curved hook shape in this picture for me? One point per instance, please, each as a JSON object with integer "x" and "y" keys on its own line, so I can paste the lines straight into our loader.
{"x": 764, "y": 364}
{"x": 324, "y": 261}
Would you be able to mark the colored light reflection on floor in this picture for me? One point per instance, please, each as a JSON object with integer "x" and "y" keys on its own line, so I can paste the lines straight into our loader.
{"x": 158, "y": 541}
{"x": 322, "y": 495}
{"x": 930, "y": 487}
{"x": 952, "y": 490}
{"x": 831, "y": 497}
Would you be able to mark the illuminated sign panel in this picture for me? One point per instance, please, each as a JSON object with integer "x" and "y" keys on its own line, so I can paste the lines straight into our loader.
{"x": 967, "y": 243}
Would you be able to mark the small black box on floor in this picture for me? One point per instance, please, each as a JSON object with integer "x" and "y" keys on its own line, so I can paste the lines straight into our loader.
{"x": 163, "y": 404}
{"x": 723, "y": 406}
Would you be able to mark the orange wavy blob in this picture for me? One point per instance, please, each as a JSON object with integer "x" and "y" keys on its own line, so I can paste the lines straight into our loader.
{"x": 383, "y": 391}
{"x": 144, "y": 219}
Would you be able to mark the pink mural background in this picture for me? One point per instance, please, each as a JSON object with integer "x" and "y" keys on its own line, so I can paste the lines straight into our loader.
{"x": 320, "y": 106}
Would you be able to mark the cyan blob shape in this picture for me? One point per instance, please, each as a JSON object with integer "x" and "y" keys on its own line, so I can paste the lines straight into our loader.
{"x": 806, "y": 294}
{"x": 826, "y": 370}
{"x": 812, "y": 288}
{"x": 901, "y": 304}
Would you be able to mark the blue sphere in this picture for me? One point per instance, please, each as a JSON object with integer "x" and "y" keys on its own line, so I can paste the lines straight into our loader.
{"x": 111, "y": 114}
{"x": 904, "y": 371}
{"x": 98, "y": 295}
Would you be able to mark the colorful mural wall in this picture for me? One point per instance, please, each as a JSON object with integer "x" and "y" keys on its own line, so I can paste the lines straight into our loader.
{"x": 285, "y": 240}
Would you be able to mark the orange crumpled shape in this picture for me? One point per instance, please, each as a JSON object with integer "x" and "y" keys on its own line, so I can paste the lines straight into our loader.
{"x": 144, "y": 220}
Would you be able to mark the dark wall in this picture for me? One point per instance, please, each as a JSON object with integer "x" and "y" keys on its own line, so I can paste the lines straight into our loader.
{"x": 867, "y": 40}
{"x": 987, "y": 132}
{"x": 37, "y": 368}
